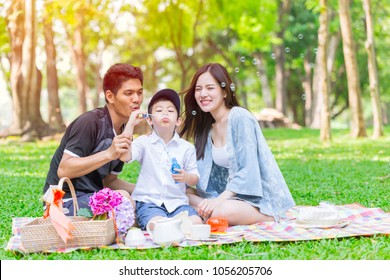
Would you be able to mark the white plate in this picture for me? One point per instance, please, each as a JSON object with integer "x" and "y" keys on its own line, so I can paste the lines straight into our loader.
{"x": 225, "y": 234}
{"x": 210, "y": 239}
{"x": 338, "y": 224}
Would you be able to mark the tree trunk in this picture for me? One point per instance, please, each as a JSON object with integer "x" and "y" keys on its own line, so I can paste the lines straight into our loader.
{"x": 373, "y": 73}
{"x": 98, "y": 85}
{"x": 25, "y": 77}
{"x": 316, "y": 96}
{"x": 15, "y": 18}
{"x": 55, "y": 117}
{"x": 354, "y": 94}
{"x": 76, "y": 43}
{"x": 307, "y": 86}
{"x": 281, "y": 82}
{"x": 323, "y": 31}
{"x": 265, "y": 89}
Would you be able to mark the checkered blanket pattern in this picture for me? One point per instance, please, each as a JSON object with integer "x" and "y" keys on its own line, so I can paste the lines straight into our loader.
{"x": 362, "y": 222}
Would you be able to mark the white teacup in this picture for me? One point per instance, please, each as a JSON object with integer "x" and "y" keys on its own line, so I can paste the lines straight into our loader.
{"x": 165, "y": 232}
{"x": 135, "y": 237}
{"x": 200, "y": 231}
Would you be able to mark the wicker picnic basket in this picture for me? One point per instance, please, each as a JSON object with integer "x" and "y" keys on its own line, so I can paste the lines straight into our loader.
{"x": 40, "y": 235}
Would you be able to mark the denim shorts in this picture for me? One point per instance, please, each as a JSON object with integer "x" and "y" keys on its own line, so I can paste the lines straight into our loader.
{"x": 146, "y": 211}
{"x": 82, "y": 200}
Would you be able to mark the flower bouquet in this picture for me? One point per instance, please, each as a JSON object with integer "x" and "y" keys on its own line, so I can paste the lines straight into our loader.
{"x": 107, "y": 203}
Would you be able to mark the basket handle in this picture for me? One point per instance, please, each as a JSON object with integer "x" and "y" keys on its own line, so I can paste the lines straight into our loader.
{"x": 72, "y": 191}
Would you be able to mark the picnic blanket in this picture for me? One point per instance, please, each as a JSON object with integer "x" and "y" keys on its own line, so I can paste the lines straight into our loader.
{"x": 358, "y": 221}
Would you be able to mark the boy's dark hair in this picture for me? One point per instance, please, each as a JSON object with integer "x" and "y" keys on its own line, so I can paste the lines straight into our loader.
{"x": 119, "y": 73}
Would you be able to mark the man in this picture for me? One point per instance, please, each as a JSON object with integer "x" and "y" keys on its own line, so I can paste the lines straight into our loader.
{"x": 90, "y": 149}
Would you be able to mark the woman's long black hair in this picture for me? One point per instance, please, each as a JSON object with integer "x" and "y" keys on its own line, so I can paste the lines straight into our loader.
{"x": 197, "y": 124}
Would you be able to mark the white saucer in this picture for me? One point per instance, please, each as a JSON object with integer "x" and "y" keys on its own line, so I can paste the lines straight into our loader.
{"x": 318, "y": 224}
{"x": 210, "y": 239}
{"x": 225, "y": 234}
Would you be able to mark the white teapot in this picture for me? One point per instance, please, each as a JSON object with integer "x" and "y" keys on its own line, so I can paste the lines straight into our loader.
{"x": 166, "y": 231}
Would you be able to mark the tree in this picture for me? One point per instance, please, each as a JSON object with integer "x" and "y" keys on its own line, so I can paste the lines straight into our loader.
{"x": 55, "y": 117}
{"x": 373, "y": 73}
{"x": 354, "y": 93}
{"x": 249, "y": 27}
{"x": 25, "y": 77}
{"x": 323, "y": 32}
{"x": 333, "y": 40}
{"x": 76, "y": 42}
{"x": 174, "y": 26}
{"x": 262, "y": 73}
{"x": 281, "y": 91}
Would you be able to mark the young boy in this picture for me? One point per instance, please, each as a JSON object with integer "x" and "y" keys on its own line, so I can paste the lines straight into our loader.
{"x": 159, "y": 193}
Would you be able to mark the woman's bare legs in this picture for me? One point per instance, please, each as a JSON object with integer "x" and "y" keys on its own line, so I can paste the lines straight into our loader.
{"x": 237, "y": 212}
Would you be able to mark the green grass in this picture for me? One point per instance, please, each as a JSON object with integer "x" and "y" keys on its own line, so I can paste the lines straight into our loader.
{"x": 345, "y": 171}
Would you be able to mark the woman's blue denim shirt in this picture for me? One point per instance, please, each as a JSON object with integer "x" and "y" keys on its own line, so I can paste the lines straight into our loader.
{"x": 253, "y": 174}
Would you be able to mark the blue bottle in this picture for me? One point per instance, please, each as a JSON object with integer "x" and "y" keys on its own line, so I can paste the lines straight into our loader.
{"x": 174, "y": 165}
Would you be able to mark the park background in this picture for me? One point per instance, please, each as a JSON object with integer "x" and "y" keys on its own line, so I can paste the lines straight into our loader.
{"x": 321, "y": 64}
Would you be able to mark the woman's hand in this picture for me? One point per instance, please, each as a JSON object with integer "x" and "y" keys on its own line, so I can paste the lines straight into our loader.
{"x": 207, "y": 206}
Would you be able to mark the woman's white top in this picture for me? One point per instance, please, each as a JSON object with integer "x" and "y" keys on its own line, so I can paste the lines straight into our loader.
{"x": 220, "y": 155}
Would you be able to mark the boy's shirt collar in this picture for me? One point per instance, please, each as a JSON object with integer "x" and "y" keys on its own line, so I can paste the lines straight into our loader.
{"x": 155, "y": 138}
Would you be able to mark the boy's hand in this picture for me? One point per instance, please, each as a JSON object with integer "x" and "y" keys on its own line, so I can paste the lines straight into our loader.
{"x": 132, "y": 122}
{"x": 185, "y": 177}
{"x": 180, "y": 176}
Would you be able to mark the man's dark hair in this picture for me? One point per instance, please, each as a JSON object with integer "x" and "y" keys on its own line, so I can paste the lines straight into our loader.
{"x": 119, "y": 73}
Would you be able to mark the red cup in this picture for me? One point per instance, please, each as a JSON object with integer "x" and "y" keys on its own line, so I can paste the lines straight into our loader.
{"x": 218, "y": 224}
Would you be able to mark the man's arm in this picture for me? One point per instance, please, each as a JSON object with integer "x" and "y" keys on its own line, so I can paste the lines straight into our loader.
{"x": 73, "y": 167}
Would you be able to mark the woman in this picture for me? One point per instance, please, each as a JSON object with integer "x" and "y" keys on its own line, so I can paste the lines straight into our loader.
{"x": 239, "y": 177}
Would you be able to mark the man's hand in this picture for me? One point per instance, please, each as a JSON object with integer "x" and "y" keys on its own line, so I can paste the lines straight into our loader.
{"x": 120, "y": 144}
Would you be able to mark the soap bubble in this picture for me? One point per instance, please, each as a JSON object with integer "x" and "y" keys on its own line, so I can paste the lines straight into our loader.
{"x": 242, "y": 58}
{"x": 303, "y": 96}
{"x": 193, "y": 112}
{"x": 300, "y": 36}
{"x": 287, "y": 50}
{"x": 254, "y": 61}
{"x": 273, "y": 56}
{"x": 258, "y": 73}
{"x": 237, "y": 69}
{"x": 315, "y": 50}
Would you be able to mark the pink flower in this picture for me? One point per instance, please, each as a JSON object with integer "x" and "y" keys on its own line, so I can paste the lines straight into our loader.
{"x": 104, "y": 201}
